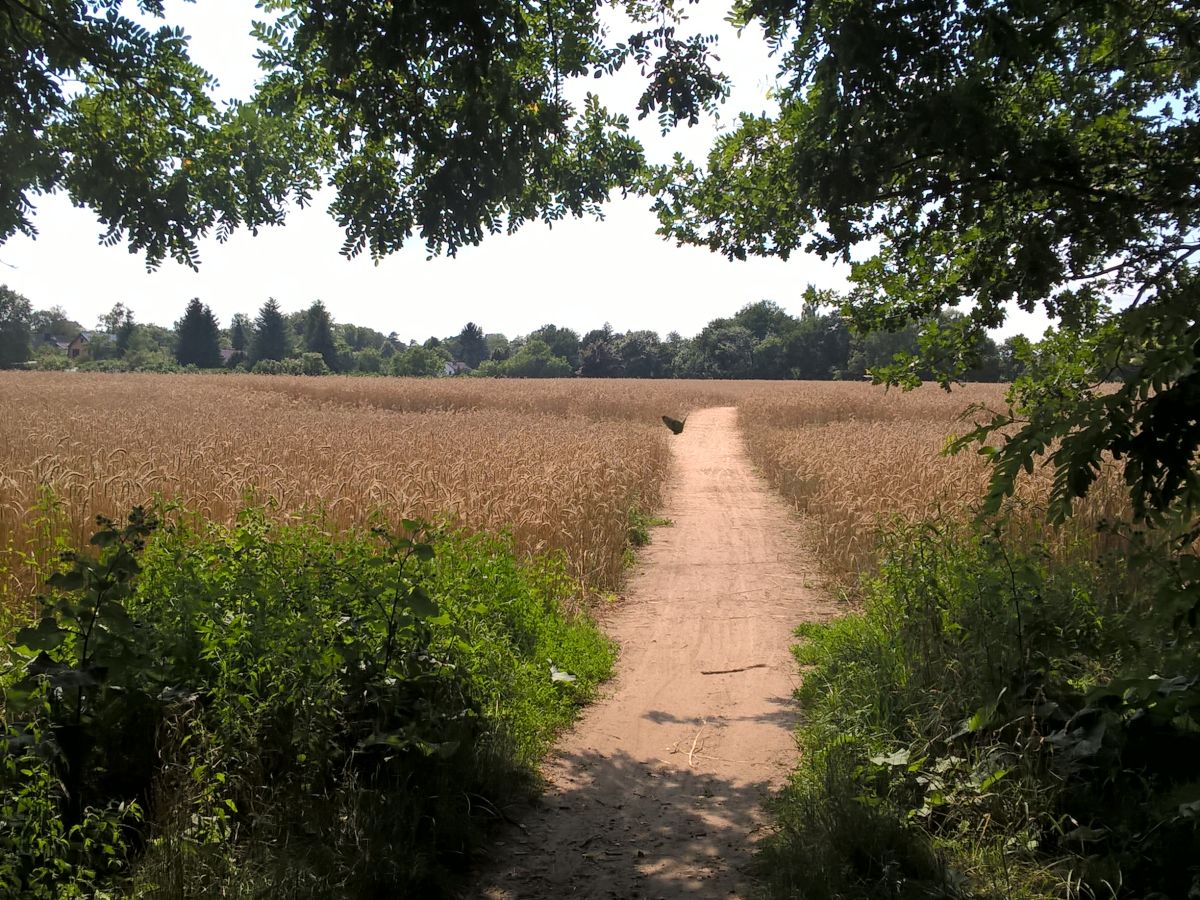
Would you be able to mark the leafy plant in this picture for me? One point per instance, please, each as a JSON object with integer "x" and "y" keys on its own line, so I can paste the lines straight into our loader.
{"x": 285, "y": 704}
{"x": 987, "y": 703}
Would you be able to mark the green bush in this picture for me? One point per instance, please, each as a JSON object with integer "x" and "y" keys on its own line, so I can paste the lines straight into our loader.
{"x": 299, "y": 713}
{"x": 313, "y": 364}
{"x": 995, "y": 723}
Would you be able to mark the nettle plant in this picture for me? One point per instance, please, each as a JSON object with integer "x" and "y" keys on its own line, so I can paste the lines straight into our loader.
{"x": 296, "y": 654}
{"x": 77, "y": 683}
{"x": 87, "y": 672}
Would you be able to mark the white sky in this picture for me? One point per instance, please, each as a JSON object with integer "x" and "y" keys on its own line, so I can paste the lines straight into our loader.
{"x": 580, "y": 274}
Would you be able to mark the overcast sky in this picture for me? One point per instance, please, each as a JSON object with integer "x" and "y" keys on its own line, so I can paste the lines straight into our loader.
{"x": 579, "y": 274}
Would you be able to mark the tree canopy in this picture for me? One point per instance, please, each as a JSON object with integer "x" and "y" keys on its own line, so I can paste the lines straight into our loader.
{"x": 270, "y": 340}
{"x": 991, "y": 154}
{"x": 318, "y": 334}
{"x": 15, "y": 315}
{"x": 198, "y": 337}
{"x": 443, "y": 120}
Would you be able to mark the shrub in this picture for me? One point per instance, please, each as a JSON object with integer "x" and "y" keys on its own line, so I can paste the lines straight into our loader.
{"x": 313, "y": 364}
{"x": 1021, "y": 720}
{"x": 300, "y": 713}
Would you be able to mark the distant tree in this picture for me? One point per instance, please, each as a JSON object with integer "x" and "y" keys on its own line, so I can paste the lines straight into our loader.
{"x": 296, "y": 322}
{"x": 672, "y": 345}
{"x": 15, "y": 316}
{"x": 533, "y": 360}
{"x": 271, "y": 340}
{"x": 496, "y": 342}
{"x": 599, "y": 354}
{"x": 53, "y": 322}
{"x": 727, "y": 349}
{"x": 312, "y": 363}
{"x": 643, "y": 355}
{"x": 369, "y": 361}
{"x": 358, "y": 337}
{"x": 772, "y": 356}
{"x": 1011, "y": 353}
{"x": 198, "y": 341}
{"x": 124, "y": 333}
{"x": 240, "y": 330}
{"x": 877, "y": 349}
{"x": 563, "y": 342}
{"x": 764, "y": 318}
{"x": 144, "y": 353}
{"x": 112, "y": 321}
{"x": 820, "y": 344}
{"x": 418, "y": 362}
{"x": 987, "y": 365}
{"x": 472, "y": 345}
{"x": 318, "y": 335}
{"x": 161, "y": 338}
{"x": 688, "y": 361}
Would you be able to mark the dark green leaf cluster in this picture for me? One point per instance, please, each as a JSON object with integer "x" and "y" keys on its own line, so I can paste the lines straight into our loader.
{"x": 117, "y": 115}
{"x": 446, "y": 119}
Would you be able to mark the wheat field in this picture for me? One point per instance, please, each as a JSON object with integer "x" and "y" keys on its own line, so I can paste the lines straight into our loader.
{"x": 853, "y": 458}
{"x": 559, "y": 465}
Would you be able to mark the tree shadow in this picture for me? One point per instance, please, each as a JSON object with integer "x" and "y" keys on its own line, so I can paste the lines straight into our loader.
{"x": 783, "y": 714}
{"x": 620, "y": 828}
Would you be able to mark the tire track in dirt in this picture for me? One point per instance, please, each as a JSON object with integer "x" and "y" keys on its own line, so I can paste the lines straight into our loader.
{"x": 658, "y": 790}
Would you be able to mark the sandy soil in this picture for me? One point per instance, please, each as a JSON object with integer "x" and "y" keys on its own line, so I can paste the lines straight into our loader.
{"x": 657, "y": 792}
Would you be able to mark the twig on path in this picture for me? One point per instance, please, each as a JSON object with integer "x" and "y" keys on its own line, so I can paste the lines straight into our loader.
{"x": 695, "y": 740}
{"x": 731, "y": 671}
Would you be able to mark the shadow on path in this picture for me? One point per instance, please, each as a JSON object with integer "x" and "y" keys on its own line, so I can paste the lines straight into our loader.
{"x": 668, "y": 831}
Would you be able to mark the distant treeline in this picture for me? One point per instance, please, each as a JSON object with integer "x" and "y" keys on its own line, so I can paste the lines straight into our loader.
{"x": 761, "y": 340}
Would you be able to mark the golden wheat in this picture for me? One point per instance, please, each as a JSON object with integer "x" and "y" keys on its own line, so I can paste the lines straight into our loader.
{"x": 559, "y": 465}
{"x": 853, "y": 457}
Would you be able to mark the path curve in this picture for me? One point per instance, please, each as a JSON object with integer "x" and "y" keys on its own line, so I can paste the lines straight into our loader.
{"x": 657, "y": 791}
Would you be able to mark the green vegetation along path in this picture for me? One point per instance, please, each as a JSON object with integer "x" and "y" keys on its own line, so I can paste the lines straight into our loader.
{"x": 658, "y": 791}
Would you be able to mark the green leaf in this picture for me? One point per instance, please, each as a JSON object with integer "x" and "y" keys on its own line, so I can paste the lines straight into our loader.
{"x": 67, "y": 581}
{"x": 104, "y": 538}
{"x": 46, "y": 635}
{"x": 996, "y": 776}
{"x": 421, "y": 605}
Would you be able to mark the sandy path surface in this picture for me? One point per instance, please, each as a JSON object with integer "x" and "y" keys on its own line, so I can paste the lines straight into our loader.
{"x": 658, "y": 790}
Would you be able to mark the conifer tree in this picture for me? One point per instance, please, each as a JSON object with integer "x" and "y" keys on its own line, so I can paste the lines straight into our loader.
{"x": 239, "y": 334}
{"x": 198, "y": 337}
{"x": 270, "y": 334}
{"x": 472, "y": 346}
{"x": 318, "y": 334}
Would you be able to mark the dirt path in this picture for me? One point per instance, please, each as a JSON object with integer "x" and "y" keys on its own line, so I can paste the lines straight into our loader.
{"x": 657, "y": 791}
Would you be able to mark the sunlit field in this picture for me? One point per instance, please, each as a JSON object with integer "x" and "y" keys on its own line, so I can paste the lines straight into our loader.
{"x": 853, "y": 457}
{"x": 561, "y": 465}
